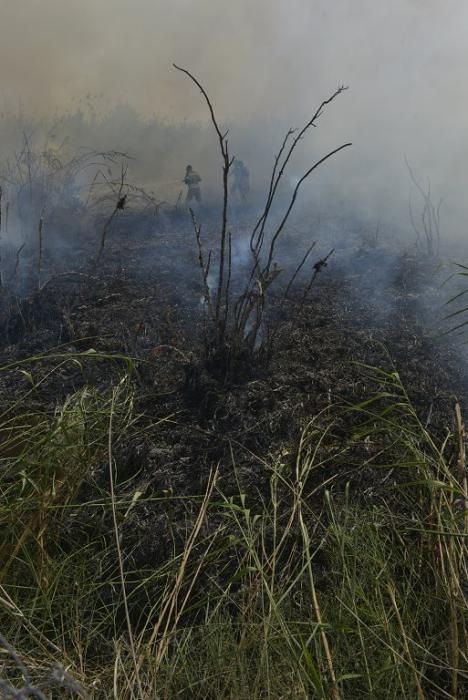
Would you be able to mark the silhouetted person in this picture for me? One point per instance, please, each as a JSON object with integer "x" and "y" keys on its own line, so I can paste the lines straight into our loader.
{"x": 241, "y": 180}
{"x": 31, "y": 200}
{"x": 192, "y": 179}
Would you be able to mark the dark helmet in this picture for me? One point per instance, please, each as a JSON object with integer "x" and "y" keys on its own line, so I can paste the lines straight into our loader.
{"x": 189, "y": 167}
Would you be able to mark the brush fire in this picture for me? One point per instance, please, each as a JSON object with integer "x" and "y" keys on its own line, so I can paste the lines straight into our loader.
{"x": 232, "y": 393}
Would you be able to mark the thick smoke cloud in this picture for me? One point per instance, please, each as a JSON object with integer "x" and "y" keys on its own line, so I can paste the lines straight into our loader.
{"x": 267, "y": 64}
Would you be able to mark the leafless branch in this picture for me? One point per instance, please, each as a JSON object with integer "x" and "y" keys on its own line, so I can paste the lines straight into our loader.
{"x": 277, "y": 177}
{"x": 204, "y": 268}
{"x": 17, "y": 259}
{"x": 40, "y": 249}
{"x": 293, "y": 200}
{"x": 227, "y": 162}
{"x": 318, "y": 267}
{"x": 298, "y": 269}
{"x": 119, "y": 206}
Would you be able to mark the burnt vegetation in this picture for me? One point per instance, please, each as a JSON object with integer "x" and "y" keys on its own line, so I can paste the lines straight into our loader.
{"x": 232, "y": 448}
{"x": 236, "y": 339}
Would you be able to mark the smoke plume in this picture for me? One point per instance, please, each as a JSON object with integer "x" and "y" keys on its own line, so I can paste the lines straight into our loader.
{"x": 267, "y": 65}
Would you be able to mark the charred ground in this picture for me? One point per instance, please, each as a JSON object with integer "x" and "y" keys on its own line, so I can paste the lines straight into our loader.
{"x": 105, "y": 372}
{"x": 145, "y": 301}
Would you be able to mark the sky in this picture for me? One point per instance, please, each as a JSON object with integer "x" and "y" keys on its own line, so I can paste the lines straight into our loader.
{"x": 266, "y": 64}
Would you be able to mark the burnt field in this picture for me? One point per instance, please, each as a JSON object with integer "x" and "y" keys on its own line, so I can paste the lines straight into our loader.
{"x": 160, "y": 490}
{"x": 371, "y": 306}
{"x": 233, "y": 360}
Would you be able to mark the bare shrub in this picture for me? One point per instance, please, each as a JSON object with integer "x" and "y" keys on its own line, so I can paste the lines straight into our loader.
{"x": 234, "y": 340}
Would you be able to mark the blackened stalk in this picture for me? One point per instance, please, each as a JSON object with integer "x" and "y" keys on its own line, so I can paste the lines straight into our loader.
{"x": 319, "y": 265}
{"x": 298, "y": 269}
{"x": 228, "y": 282}
{"x": 254, "y": 244}
{"x": 278, "y": 176}
{"x": 205, "y": 268}
{"x": 227, "y": 162}
{"x": 119, "y": 206}
{"x": 39, "y": 256}
{"x": 1, "y": 262}
{"x": 293, "y": 200}
{"x": 17, "y": 261}
{"x": 288, "y": 148}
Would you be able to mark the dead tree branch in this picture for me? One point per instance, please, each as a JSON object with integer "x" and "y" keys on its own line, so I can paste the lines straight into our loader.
{"x": 279, "y": 168}
{"x": 119, "y": 206}
{"x": 40, "y": 249}
{"x": 237, "y": 324}
{"x": 205, "y": 268}
{"x": 317, "y": 269}
{"x": 298, "y": 269}
{"x": 293, "y": 200}
{"x": 278, "y": 176}
{"x": 227, "y": 162}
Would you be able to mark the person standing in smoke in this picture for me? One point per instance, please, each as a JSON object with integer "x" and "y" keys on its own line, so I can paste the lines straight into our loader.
{"x": 192, "y": 179}
{"x": 241, "y": 180}
{"x": 31, "y": 200}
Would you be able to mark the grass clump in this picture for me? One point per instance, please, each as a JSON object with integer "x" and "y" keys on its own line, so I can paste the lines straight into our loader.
{"x": 313, "y": 590}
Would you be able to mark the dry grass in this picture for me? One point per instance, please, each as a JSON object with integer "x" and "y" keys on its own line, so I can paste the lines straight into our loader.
{"x": 311, "y": 593}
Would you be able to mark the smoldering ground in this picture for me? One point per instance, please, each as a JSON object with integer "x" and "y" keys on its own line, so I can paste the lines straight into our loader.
{"x": 92, "y": 77}
{"x": 104, "y": 289}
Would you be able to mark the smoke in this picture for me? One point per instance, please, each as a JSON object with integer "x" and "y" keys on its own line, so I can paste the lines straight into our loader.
{"x": 267, "y": 65}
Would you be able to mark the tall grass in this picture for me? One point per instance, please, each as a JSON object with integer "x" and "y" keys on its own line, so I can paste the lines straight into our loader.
{"x": 318, "y": 589}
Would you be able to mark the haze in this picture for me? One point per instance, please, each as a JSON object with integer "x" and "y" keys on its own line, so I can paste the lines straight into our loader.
{"x": 266, "y": 64}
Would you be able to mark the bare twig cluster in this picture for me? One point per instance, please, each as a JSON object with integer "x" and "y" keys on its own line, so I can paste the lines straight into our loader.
{"x": 41, "y": 180}
{"x": 42, "y": 176}
{"x": 120, "y": 201}
{"x": 236, "y": 322}
{"x": 105, "y": 190}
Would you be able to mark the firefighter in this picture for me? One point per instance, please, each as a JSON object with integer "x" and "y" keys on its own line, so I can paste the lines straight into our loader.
{"x": 241, "y": 180}
{"x": 192, "y": 179}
